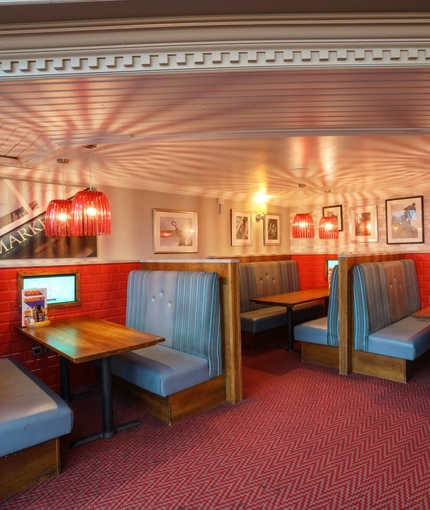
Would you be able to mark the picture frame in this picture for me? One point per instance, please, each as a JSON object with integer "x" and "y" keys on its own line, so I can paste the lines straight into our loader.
{"x": 405, "y": 220}
{"x": 175, "y": 231}
{"x": 272, "y": 229}
{"x": 241, "y": 228}
{"x": 364, "y": 224}
{"x": 334, "y": 210}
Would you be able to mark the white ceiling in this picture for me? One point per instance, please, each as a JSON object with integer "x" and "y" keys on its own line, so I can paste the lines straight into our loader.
{"x": 229, "y": 135}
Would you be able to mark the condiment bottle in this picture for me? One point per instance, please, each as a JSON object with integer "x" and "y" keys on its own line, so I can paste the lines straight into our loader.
{"x": 39, "y": 314}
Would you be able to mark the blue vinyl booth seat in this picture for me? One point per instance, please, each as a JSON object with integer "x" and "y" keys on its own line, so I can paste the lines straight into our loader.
{"x": 325, "y": 330}
{"x": 258, "y": 279}
{"x": 385, "y": 295}
{"x": 32, "y": 418}
{"x": 184, "y": 308}
{"x": 30, "y": 412}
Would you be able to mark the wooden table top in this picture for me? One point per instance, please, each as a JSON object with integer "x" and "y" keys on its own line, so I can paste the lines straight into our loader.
{"x": 293, "y": 298}
{"x": 423, "y": 314}
{"x": 81, "y": 339}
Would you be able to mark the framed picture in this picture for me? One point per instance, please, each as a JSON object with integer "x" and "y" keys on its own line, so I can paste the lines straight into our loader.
{"x": 175, "y": 231}
{"x": 240, "y": 228}
{"x": 405, "y": 220}
{"x": 336, "y": 211}
{"x": 272, "y": 229}
{"x": 364, "y": 224}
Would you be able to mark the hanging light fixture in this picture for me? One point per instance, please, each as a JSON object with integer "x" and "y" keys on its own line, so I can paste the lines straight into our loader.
{"x": 328, "y": 225}
{"x": 58, "y": 213}
{"x": 90, "y": 211}
{"x": 328, "y": 228}
{"x": 303, "y": 224}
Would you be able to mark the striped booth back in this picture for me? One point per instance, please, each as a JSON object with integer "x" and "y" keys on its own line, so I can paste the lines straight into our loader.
{"x": 259, "y": 279}
{"x": 333, "y": 310}
{"x": 384, "y": 293}
{"x": 181, "y": 306}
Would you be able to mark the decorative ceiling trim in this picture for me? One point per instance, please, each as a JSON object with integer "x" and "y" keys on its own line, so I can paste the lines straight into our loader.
{"x": 213, "y": 44}
{"x": 216, "y": 58}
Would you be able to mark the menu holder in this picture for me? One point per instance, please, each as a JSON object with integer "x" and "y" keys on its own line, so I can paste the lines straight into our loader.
{"x": 31, "y": 299}
{"x": 39, "y": 324}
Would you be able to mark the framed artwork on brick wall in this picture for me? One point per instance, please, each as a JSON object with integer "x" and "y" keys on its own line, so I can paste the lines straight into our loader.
{"x": 364, "y": 224}
{"x": 405, "y": 220}
{"x": 175, "y": 231}
{"x": 272, "y": 229}
{"x": 241, "y": 228}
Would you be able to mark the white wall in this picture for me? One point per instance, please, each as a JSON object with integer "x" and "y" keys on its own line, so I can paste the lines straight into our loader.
{"x": 132, "y": 237}
{"x": 345, "y": 244}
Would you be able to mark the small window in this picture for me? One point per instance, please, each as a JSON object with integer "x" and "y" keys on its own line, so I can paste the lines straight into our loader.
{"x": 63, "y": 285}
{"x": 329, "y": 265}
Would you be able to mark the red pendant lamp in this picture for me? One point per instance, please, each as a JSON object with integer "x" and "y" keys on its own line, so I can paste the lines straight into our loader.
{"x": 303, "y": 224}
{"x": 58, "y": 213}
{"x": 328, "y": 228}
{"x": 91, "y": 214}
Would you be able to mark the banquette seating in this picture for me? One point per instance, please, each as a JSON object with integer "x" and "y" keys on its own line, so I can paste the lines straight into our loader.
{"x": 320, "y": 337}
{"x": 388, "y": 342}
{"x": 261, "y": 324}
{"x": 32, "y": 418}
{"x": 183, "y": 375}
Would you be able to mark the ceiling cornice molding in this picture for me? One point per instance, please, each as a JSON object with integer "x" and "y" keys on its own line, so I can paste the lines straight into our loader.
{"x": 217, "y": 44}
{"x": 213, "y": 57}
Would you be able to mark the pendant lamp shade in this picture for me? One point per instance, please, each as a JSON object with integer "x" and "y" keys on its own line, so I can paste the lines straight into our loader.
{"x": 328, "y": 228}
{"x": 91, "y": 214}
{"x": 58, "y": 218}
{"x": 58, "y": 212}
{"x": 303, "y": 226}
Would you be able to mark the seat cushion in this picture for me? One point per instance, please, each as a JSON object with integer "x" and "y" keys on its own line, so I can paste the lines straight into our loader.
{"x": 30, "y": 412}
{"x": 275, "y": 316}
{"x": 161, "y": 370}
{"x": 314, "y": 331}
{"x": 405, "y": 339}
{"x": 263, "y": 319}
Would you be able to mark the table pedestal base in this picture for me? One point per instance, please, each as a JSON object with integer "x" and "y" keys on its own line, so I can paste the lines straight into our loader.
{"x": 107, "y": 408}
{"x": 106, "y": 434}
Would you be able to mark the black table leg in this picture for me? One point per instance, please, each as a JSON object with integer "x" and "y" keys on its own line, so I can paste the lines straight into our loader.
{"x": 65, "y": 382}
{"x": 290, "y": 332}
{"x": 107, "y": 409}
{"x": 64, "y": 376}
{"x": 290, "y": 328}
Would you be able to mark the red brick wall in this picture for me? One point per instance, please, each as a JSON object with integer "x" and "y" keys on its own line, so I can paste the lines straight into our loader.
{"x": 422, "y": 264}
{"x": 312, "y": 270}
{"x": 104, "y": 288}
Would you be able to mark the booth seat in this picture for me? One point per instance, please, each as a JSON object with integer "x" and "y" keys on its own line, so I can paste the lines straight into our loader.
{"x": 260, "y": 323}
{"x": 184, "y": 374}
{"x": 388, "y": 342}
{"x": 320, "y": 337}
{"x": 32, "y": 418}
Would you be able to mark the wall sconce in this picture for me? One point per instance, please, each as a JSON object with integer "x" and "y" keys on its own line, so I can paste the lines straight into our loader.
{"x": 262, "y": 209}
{"x": 259, "y": 216}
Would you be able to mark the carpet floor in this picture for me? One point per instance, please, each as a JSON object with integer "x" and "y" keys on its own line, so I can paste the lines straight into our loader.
{"x": 304, "y": 437}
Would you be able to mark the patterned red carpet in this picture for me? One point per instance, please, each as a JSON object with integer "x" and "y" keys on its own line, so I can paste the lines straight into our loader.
{"x": 303, "y": 438}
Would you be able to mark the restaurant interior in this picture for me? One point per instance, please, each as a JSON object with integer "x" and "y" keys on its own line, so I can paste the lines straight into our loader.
{"x": 207, "y": 137}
